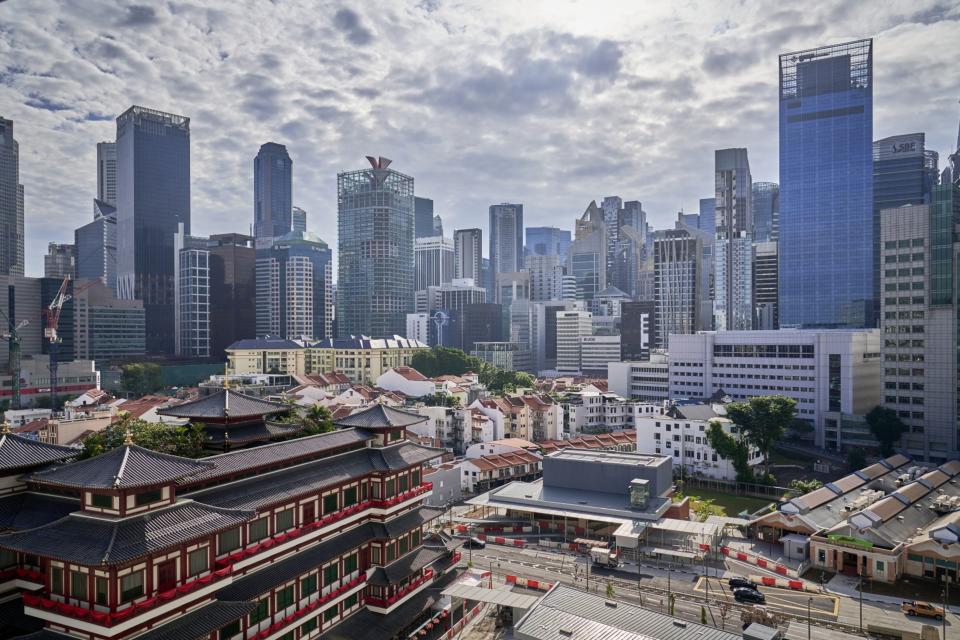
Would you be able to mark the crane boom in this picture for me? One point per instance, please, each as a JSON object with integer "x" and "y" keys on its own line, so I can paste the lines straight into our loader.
{"x": 13, "y": 360}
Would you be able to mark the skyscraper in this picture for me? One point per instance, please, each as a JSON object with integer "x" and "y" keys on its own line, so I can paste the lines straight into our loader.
{"x": 766, "y": 211}
{"x": 11, "y": 203}
{"x": 506, "y": 238}
{"x": 298, "y": 219}
{"x": 294, "y": 288}
{"x": 612, "y": 207}
{"x": 587, "y": 256}
{"x": 96, "y": 246}
{"x": 904, "y": 171}
{"x": 733, "y": 249}
{"x": 376, "y": 229}
{"x": 546, "y": 277}
{"x": 232, "y": 287}
{"x": 423, "y": 217}
{"x": 153, "y": 199}
{"x": 437, "y": 226}
{"x": 192, "y": 296}
{"x": 766, "y": 285}
{"x": 433, "y": 261}
{"x": 548, "y": 241}
{"x": 272, "y": 193}
{"x": 107, "y": 172}
{"x": 707, "y": 215}
{"x": 677, "y": 260}
{"x": 827, "y": 226}
{"x": 60, "y": 261}
{"x": 468, "y": 255}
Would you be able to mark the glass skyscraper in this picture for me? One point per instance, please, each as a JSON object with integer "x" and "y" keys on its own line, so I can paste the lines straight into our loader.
{"x": 153, "y": 200}
{"x": 766, "y": 211}
{"x": 548, "y": 241}
{"x": 272, "y": 193}
{"x": 375, "y": 228}
{"x": 423, "y": 217}
{"x": 11, "y": 203}
{"x": 506, "y": 238}
{"x": 827, "y": 226}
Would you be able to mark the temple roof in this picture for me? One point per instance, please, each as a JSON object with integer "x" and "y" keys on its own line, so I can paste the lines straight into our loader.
{"x": 217, "y": 435}
{"x": 17, "y": 452}
{"x": 126, "y": 467}
{"x": 401, "y": 569}
{"x": 380, "y": 416}
{"x": 27, "y": 510}
{"x": 223, "y": 404}
{"x": 94, "y": 541}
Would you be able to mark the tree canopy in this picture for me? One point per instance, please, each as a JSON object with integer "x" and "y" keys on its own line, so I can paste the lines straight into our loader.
{"x": 763, "y": 419}
{"x": 446, "y": 361}
{"x": 734, "y": 449}
{"x": 886, "y": 427}
{"x": 141, "y": 378}
{"x": 186, "y": 441}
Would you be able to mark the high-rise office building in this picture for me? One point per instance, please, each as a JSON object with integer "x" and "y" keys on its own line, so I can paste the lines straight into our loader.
{"x": 298, "y": 219}
{"x": 512, "y": 286}
{"x": 106, "y": 328}
{"x": 827, "y": 226}
{"x": 546, "y": 277}
{"x": 96, "y": 246}
{"x": 49, "y": 288}
{"x": 294, "y": 288}
{"x": 60, "y": 261}
{"x": 919, "y": 260}
{"x": 192, "y": 296}
{"x": 468, "y": 255}
{"x": 423, "y": 217}
{"x": 587, "y": 256}
{"x": 572, "y": 327}
{"x": 547, "y": 241}
{"x": 707, "y": 215}
{"x": 446, "y": 305}
{"x": 11, "y": 203}
{"x": 480, "y": 322}
{"x": 433, "y": 261}
{"x": 153, "y": 200}
{"x": 677, "y": 263}
{"x": 272, "y": 193}
{"x": 506, "y": 238}
{"x": 232, "y": 288}
{"x": 766, "y": 211}
{"x": 904, "y": 171}
{"x": 636, "y": 330}
{"x": 107, "y": 172}
{"x": 543, "y": 332}
{"x": 612, "y": 207}
{"x": 733, "y": 247}
{"x": 376, "y": 231}
{"x": 766, "y": 289}
{"x": 437, "y": 225}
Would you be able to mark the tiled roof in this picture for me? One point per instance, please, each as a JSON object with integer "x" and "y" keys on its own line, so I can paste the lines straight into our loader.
{"x": 287, "y": 453}
{"x": 224, "y": 404}
{"x": 199, "y": 622}
{"x": 126, "y": 467}
{"x": 94, "y": 541}
{"x": 140, "y": 406}
{"x": 17, "y": 452}
{"x": 256, "y": 432}
{"x": 381, "y": 416}
{"x": 405, "y": 522}
{"x": 267, "y": 343}
{"x": 409, "y": 373}
{"x": 27, "y": 510}
{"x": 401, "y": 569}
{"x": 33, "y": 426}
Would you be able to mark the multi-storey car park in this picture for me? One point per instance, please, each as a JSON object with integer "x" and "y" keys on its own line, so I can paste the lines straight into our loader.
{"x": 322, "y": 536}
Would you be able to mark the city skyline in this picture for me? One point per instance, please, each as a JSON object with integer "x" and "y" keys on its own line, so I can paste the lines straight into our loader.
{"x": 562, "y": 149}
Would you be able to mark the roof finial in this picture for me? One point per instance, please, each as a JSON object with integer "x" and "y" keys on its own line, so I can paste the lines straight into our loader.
{"x": 5, "y": 429}
{"x": 127, "y": 437}
{"x": 226, "y": 382}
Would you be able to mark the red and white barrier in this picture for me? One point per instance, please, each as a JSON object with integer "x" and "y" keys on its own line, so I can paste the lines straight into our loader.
{"x": 520, "y": 581}
{"x": 756, "y": 560}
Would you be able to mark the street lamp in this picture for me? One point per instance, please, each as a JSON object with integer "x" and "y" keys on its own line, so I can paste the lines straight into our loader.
{"x": 809, "y": 603}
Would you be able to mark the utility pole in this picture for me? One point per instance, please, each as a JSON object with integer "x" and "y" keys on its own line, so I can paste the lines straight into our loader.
{"x": 946, "y": 599}
{"x": 860, "y": 574}
{"x": 809, "y": 631}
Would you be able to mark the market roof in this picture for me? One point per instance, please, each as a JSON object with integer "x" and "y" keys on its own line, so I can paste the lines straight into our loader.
{"x": 380, "y": 416}
{"x": 401, "y": 569}
{"x": 199, "y": 622}
{"x": 126, "y": 467}
{"x": 27, "y": 510}
{"x": 500, "y": 597}
{"x": 565, "y": 612}
{"x": 224, "y": 404}
{"x": 94, "y": 541}
{"x": 17, "y": 452}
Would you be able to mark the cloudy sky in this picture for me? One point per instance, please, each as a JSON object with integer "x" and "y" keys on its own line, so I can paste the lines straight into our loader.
{"x": 481, "y": 102}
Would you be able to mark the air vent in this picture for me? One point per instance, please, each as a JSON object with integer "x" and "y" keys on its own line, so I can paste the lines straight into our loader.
{"x": 610, "y": 603}
{"x": 566, "y": 632}
{"x": 680, "y": 623}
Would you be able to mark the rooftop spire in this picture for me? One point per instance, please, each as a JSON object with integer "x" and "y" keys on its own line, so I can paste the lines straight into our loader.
{"x": 5, "y": 428}
{"x": 127, "y": 437}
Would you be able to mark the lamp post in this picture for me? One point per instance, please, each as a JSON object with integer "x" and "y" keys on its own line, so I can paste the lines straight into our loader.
{"x": 946, "y": 598}
{"x": 860, "y": 575}
{"x": 809, "y": 603}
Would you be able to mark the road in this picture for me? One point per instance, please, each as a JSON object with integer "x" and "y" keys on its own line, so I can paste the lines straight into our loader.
{"x": 831, "y": 617}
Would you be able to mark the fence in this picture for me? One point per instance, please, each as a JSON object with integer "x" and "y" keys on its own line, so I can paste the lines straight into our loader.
{"x": 741, "y": 488}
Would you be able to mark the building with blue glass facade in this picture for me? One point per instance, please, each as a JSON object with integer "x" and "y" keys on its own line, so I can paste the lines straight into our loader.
{"x": 548, "y": 241}
{"x": 827, "y": 223}
{"x": 423, "y": 217}
{"x": 766, "y": 211}
{"x": 272, "y": 193}
{"x": 707, "y": 220}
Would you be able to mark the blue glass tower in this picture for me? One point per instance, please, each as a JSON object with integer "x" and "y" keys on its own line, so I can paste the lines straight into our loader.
{"x": 827, "y": 230}
{"x": 766, "y": 211}
{"x": 548, "y": 241}
{"x": 272, "y": 193}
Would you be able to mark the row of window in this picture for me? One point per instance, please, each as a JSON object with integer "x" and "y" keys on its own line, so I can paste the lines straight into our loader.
{"x": 904, "y": 300}
{"x": 903, "y": 272}
{"x": 903, "y": 244}
{"x": 904, "y": 257}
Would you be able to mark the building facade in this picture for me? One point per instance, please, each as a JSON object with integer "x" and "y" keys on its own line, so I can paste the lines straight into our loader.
{"x": 766, "y": 285}
{"x": 11, "y": 203}
{"x": 423, "y": 217}
{"x": 572, "y": 327}
{"x": 766, "y": 211}
{"x": 733, "y": 247}
{"x": 153, "y": 200}
{"x": 107, "y": 328}
{"x": 233, "y": 266}
{"x": 827, "y": 224}
{"x": 272, "y": 193}
{"x": 636, "y": 330}
{"x": 648, "y": 381}
{"x": 433, "y": 261}
{"x": 298, "y": 219}
{"x": 547, "y": 241}
{"x": 375, "y": 233}
{"x": 468, "y": 254}
{"x": 587, "y": 255}
{"x": 678, "y": 293}
{"x": 509, "y": 356}
{"x": 107, "y": 172}
{"x": 60, "y": 261}
{"x": 96, "y": 245}
{"x": 192, "y": 296}
{"x": 546, "y": 277}
{"x": 506, "y": 238}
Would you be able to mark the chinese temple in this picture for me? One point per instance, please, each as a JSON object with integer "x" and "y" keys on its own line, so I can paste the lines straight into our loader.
{"x": 324, "y": 536}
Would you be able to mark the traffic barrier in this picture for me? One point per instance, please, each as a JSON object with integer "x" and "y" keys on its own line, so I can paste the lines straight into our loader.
{"x": 769, "y": 581}
{"x": 795, "y": 584}
{"x": 781, "y": 569}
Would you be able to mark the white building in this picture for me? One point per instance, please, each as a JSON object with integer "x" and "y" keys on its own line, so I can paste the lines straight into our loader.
{"x": 824, "y": 370}
{"x": 591, "y": 410}
{"x": 407, "y": 381}
{"x": 546, "y": 277}
{"x": 572, "y": 326}
{"x": 433, "y": 262}
{"x": 596, "y": 352}
{"x": 418, "y": 326}
{"x": 641, "y": 380}
{"x": 191, "y": 282}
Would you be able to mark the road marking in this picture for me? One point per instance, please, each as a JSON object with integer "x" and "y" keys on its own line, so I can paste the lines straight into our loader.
{"x": 779, "y": 598}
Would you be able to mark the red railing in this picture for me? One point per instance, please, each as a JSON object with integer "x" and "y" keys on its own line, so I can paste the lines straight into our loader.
{"x": 381, "y": 602}
{"x": 302, "y": 611}
{"x": 455, "y": 558}
{"x": 108, "y": 619}
{"x": 23, "y": 573}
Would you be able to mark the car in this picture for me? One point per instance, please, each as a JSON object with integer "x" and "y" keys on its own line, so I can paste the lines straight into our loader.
{"x": 922, "y": 609}
{"x": 474, "y": 543}
{"x": 749, "y": 595}
{"x": 739, "y": 582}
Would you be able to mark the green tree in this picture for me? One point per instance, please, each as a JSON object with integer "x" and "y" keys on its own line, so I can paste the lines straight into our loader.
{"x": 186, "y": 440}
{"x": 611, "y": 592}
{"x": 440, "y": 400}
{"x": 704, "y": 508}
{"x": 141, "y": 378}
{"x": 318, "y": 419}
{"x": 735, "y": 449}
{"x": 857, "y": 459}
{"x": 805, "y": 486}
{"x": 886, "y": 427}
{"x": 763, "y": 420}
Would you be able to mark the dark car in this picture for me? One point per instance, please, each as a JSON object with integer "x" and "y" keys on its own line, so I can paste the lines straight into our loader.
{"x": 474, "y": 543}
{"x": 749, "y": 595}
{"x": 738, "y": 582}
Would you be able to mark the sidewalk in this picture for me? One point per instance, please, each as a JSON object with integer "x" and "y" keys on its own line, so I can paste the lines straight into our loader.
{"x": 842, "y": 585}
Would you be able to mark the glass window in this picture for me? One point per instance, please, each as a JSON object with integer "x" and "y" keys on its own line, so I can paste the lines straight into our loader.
{"x": 391, "y": 552}
{"x": 403, "y": 545}
{"x": 230, "y": 630}
{"x": 388, "y": 493}
{"x": 350, "y": 601}
{"x": 308, "y": 626}
{"x": 329, "y": 503}
{"x": 350, "y": 564}
{"x": 284, "y": 520}
{"x": 415, "y": 478}
{"x": 228, "y": 541}
{"x": 284, "y": 598}
{"x": 375, "y": 555}
{"x": 103, "y": 594}
{"x": 402, "y": 483}
{"x": 101, "y": 500}
{"x": 349, "y": 496}
{"x": 78, "y": 585}
{"x": 258, "y": 529}
{"x": 197, "y": 561}
{"x": 147, "y": 497}
{"x": 415, "y": 538}
{"x": 330, "y": 613}
{"x": 308, "y": 586}
{"x": 56, "y": 580}
{"x": 131, "y": 586}
{"x": 260, "y": 612}
{"x": 331, "y": 573}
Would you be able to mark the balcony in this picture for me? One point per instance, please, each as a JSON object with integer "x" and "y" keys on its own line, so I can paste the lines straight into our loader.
{"x": 386, "y": 603}
{"x": 312, "y": 606}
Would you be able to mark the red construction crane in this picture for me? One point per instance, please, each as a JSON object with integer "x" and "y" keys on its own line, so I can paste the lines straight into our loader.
{"x": 52, "y": 316}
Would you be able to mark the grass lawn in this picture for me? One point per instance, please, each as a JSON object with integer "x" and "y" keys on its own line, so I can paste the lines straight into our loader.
{"x": 731, "y": 504}
{"x": 791, "y": 457}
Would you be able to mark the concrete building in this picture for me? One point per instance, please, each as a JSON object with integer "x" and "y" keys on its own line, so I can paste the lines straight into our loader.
{"x": 60, "y": 261}
{"x": 418, "y": 327}
{"x": 543, "y": 332}
{"x": 534, "y": 417}
{"x": 446, "y": 305}
{"x": 919, "y": 323}
{"x": 766, "y": 286}
{"x": 509, "y": 356}
{"x": 107, "y": 172}
{"x": 506, "y": 238}
{"x": 733, "y": 247}
{"x": 73, "y": 378}
{"x": 468, "y": 254}
{"x": 233, "y": 284}
{"x": 825, "y": 371}
{"x": 486, "y": 472}
{"x": 590, "y": 410}
{"x": 547, "y": 241}
{"x": 596, "y": 352}
{"x": 407, "y": 381}
{"x": 546, "y": 277}
{"x": 587, "y": 255}
{"x": 678, "y": 288}
{"x": 96, "y": 245}
{"x": 647, "y": 380}
{"x": 11, "y": 203}
{"x": 105, "y": 327}
{"x": 636, "y": 329}
{"x": 191, "y": 296}
{"x": 572, "y": 327}
{"x": 434, "y": 264}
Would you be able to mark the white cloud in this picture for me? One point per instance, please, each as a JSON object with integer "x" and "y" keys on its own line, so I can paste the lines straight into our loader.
{"x": 480, "y": 102}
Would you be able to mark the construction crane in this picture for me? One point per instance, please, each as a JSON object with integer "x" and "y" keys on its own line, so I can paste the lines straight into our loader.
{"x": 12, "y": 336}
{"x": 52, "y": 316}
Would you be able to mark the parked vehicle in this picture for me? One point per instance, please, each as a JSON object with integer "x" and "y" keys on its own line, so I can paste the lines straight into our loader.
{"x": 922, "y": 609}
{"x": 739, "y": 582}
{"x": 605, "y": 557}
{"x": 474, "y": 543}
{"x": 749, "y": 595}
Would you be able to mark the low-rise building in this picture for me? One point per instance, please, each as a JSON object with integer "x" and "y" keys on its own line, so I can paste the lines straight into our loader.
{"x": 624, "y": 440}
{"x": 646, "y": 380}
{"x": 590, "y": 410}
{"x": 73, "y": 377}
{"x": 527, "y": 416}
{"x": 489, "y": 471}
{"x": 509, "y": 356}
{"x": 407, "y": 381}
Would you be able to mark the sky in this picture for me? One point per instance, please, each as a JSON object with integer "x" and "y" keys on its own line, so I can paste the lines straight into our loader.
{"x": 551, "y": 105}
